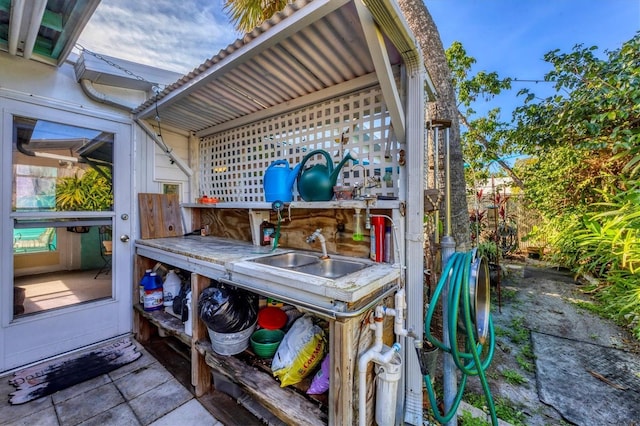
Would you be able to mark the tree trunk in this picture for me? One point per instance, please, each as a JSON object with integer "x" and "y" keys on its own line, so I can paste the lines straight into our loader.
{"x": 444, "y": 108}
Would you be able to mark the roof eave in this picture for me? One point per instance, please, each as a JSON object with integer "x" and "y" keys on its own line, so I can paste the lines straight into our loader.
{"x": 310, "y": 13}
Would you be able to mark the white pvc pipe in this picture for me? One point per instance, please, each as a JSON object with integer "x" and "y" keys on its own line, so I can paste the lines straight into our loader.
{"x": 398, "y": 313}
{"x": 374, "y": 353}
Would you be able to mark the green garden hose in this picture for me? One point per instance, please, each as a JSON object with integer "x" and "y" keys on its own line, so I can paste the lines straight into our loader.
{"x": 274, "y": 243}
{"x": 277, "y": 206}
{"x": 456, "y": 272}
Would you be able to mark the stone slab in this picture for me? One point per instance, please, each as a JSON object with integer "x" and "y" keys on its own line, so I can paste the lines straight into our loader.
{"x": 571, "y": 374}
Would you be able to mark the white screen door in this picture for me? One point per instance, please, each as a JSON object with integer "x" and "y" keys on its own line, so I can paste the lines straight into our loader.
{"x": 66, "y": 201}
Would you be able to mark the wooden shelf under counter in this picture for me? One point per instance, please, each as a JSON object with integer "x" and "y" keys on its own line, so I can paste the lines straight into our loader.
{"x": 167, "y": 324}
{"x": 209, "y": 258}
{"x": 285, "y": 403}
{"x": 143, "y": 323}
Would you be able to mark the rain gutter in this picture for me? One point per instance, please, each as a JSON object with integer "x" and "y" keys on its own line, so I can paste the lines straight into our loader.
{"x": 98, "y": 96}
{"x": 389, "y": 18}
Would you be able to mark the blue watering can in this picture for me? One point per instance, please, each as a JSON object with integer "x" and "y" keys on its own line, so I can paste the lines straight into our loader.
{"x": 278, "y": 181}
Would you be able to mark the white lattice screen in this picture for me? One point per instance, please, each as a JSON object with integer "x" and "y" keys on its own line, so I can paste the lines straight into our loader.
{"x": 233, "y": 162}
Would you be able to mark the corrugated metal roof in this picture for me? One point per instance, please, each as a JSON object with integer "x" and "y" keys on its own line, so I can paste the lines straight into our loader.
{"x": 308, "y": 47}
{"x": 43, "y": 30}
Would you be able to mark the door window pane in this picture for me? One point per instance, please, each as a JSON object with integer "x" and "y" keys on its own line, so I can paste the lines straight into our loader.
{"x": 29, "y": 240}
{"x": 60, "y": 259}
{"x": 58, "y": 167}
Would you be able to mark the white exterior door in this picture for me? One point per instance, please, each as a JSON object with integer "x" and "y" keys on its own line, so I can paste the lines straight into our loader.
{"x": 66, "y": 179}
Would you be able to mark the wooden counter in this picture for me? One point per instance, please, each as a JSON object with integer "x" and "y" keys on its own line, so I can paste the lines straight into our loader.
{"x": 345, "y": 302}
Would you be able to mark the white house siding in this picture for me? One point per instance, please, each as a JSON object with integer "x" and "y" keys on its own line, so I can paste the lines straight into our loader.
{"x": 154, "y": 167}
{"x": 58, "y": 86}
{"x": 40, "y": 80}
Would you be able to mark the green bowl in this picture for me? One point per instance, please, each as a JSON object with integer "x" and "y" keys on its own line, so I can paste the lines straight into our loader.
{"x": 265, "y": 342}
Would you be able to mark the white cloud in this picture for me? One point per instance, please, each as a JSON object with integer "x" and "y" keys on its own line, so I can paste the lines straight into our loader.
{"x": 176, "y": 36}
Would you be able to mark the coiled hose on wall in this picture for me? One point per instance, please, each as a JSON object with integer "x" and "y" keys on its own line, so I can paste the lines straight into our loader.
{"x": 457, "y": 272}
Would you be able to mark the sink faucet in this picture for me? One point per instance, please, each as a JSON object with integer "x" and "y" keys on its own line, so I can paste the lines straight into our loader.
{"x": 360, "y": 188}
{"x": 318, "y": 235}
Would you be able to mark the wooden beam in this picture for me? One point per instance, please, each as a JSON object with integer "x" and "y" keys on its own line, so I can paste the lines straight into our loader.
{"x": 200, "y": 374}
{"x": 384, "y": 71}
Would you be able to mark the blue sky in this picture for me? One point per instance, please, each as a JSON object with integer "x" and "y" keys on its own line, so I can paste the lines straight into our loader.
{"x": 506, "y": 36}
{"x": 174, "y": 35}
{"x": 511, "y": 37}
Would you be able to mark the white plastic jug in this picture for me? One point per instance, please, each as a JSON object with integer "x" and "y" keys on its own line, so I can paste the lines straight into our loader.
{"x": 171, "y": 287}
{"x": 188, "y": 325}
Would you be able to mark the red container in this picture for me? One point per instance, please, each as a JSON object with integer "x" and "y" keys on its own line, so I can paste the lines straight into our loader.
{"x": 272, "y": 318}
{"x": 377, "y": 238}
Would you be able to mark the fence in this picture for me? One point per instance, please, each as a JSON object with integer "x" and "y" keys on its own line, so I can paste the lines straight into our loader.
{"x": 509, "y": 216}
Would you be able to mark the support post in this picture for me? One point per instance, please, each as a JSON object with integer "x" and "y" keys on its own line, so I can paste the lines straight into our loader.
{"x": 450, "y": 383}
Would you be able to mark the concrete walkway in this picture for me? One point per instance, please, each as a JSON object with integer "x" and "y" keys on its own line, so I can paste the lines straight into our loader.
{"x": 584, "y": 371}
{"x": 140, "y": 393}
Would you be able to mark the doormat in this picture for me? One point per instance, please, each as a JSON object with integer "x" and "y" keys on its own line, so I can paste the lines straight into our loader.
{"x": 58, "y": 374}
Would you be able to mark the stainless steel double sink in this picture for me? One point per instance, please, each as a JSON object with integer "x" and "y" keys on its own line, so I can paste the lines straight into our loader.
{"x": 313, "y": 264}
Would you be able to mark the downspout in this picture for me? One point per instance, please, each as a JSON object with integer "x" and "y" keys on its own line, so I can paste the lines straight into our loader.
{"x": 391, "y": 21}
{"x": 96, "y": 95}
{"x": 103, "y": 98}
{"x": 414, "y": 235}
{"x": 376, "y": 354}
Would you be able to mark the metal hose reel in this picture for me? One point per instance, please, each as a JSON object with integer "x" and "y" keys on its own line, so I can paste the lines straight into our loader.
{"x": 479, "y": 296}
{"x": 464, "y": 284}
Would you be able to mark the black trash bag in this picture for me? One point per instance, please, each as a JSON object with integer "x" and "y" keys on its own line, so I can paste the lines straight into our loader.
{"x": 227, "y": 310}
{"x": 180, "y": 301}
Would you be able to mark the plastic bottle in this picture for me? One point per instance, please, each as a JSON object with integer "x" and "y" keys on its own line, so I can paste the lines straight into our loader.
{"x": 188, "y": 324}
{"x": 153, "y": 297}
{"x": 171, "y": 287}
{"x": 357, "y": 226}
{"x": 267, "y": 231}
{"x": 146, "y": 275}
{"x": 388, "y": 177}
{"x": 387, "y": 244}
{"x": 377, "y": 238}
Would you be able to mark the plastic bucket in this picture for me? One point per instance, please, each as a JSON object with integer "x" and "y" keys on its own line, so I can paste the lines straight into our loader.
{"x": 230, "y": 343}
{"x": 265, "y": 342}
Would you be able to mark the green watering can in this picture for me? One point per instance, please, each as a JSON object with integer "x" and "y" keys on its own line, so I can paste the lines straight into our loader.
{"x": 316, "y": 183}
